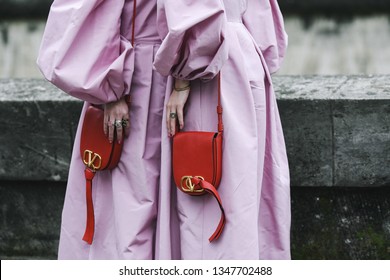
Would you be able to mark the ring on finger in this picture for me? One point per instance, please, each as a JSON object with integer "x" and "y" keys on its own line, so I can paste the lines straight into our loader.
{"x": 125, "y": 123}
{"x": 118, "y": 123}
{"x": 173, "y": 115}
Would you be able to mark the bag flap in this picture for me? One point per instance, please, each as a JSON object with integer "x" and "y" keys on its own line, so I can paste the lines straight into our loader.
{"x": 95, "y": 149}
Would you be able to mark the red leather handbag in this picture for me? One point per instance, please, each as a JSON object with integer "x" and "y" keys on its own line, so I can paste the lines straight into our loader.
{"x": 197, "y": 163}
{"x": 97, "y": 152}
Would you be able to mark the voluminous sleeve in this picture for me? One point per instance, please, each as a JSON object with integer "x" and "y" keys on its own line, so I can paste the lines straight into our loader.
{"x": 193, "y": 34}
{"x": 83, "y": 53}
{"x": 264, "y": 21}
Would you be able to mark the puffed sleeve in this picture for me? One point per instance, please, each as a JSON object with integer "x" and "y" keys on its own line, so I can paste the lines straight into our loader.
{"x": 83, "y": 53}
{"x": 264, "y": 21}
{"x": 193, "y": 37}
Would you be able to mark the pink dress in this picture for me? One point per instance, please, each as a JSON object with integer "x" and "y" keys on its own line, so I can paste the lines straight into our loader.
{"x": 86, "y": 51}
{"x": 246, "y": 41}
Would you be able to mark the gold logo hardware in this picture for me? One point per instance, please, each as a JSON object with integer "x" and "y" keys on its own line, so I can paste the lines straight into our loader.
{"x": 92, "y": 159}
{"x": 189, "y": 186}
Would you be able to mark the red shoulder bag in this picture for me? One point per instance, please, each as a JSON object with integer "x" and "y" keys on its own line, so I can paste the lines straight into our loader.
{"x": 197, "y": 163}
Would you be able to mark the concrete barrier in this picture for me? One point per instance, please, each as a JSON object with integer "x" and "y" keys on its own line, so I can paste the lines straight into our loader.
{"x": 337, "y": 131}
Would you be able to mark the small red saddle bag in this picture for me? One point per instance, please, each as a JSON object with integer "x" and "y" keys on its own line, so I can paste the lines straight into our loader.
{"x": 97, "y": 154}
{"x": 197, "y": 163}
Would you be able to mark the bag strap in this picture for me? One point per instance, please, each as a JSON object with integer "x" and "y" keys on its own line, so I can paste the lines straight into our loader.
{"x": 219, "y": 106}
{"x": 90, "y": 227}
{"x": 209, "y": 188}
{"x": 206, "y": 185}
{"x": 128, "y": 96}
{"x": 90, "y": 173}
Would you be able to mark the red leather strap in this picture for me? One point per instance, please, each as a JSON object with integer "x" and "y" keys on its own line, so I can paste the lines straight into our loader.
{"x": 212, "y": 190}
{"x": 219, "y": 106}
{"x": 128, "y": 97}
{"x": 90, "y": 228}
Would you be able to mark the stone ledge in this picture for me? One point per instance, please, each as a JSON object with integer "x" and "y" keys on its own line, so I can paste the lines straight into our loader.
{"x": 38, "y": 124}
{"x": 337, "y": 88}
{"x": 337, "y": 129}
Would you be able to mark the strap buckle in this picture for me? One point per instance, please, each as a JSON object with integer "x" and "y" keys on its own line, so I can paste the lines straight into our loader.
{"x": 189, "y": 186}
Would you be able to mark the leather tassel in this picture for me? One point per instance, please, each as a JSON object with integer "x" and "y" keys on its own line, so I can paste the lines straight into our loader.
{"x": 212, "y": 190}
{"x": 90, "y": 225}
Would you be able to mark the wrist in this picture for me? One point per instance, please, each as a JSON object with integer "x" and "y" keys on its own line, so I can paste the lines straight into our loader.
{"x": 181, "y": 85}
{"x": 127, "y": 99}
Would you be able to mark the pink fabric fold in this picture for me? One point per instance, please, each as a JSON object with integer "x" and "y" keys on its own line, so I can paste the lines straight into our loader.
{"x": 265, "y": 22}
{"x": 194, "y": 46}
{"x": 83, "y": 53}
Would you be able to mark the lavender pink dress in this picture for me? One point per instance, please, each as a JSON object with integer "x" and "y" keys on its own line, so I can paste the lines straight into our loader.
{"x": 86, "y": 51}
{"x": 246, "y": 41}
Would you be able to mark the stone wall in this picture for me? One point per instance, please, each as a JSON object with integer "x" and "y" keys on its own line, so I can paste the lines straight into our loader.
{"x": 337, "y": 131}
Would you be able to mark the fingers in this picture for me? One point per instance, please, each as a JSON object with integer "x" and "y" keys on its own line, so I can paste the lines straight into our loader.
{"x": 171, "y": 119}
{"x": 116, "y": 121}
{"x": 105, "y": 123}
{"x": 168, "y": 120}
{"x": 108, "y": 125}
{"x": 126, "y": 126}
{"x": 122, "y": 128}
{"x": 119, "y": 130}
{"x": 175, "y": 116}
{"x": 111, "y": 130}
{"x": 180, "y": 117}
{"x": 174, "y": 110}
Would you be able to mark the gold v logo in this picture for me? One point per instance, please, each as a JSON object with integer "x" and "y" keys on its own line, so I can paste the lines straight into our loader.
{"x": 189, "y": 186}
{"x": 92, "y": 160}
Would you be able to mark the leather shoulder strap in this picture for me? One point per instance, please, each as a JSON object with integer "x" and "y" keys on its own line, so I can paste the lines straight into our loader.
{"x": 219, "y": 106}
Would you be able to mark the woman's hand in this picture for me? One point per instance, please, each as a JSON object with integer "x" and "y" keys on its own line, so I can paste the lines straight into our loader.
{"x": 175, "y": 106}
{"x": 116, "y": 117}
